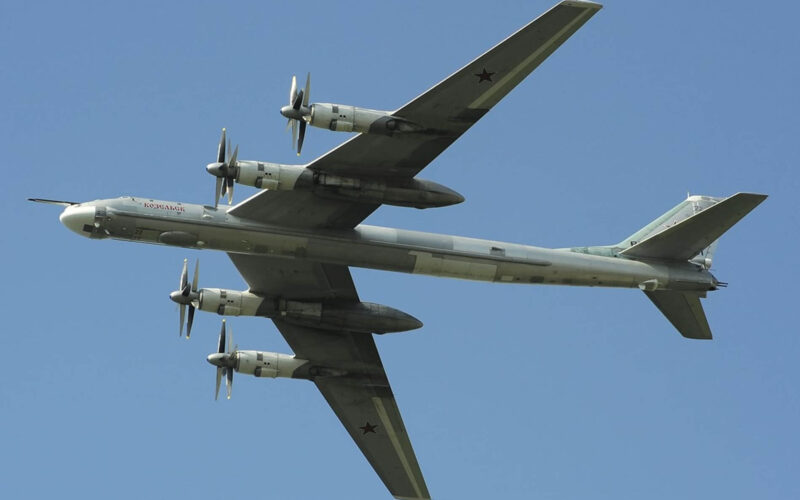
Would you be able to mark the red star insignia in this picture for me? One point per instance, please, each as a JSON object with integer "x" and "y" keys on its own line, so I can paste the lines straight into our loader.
{"x": 368, "y": 428}
{"x": 484, "y": 76}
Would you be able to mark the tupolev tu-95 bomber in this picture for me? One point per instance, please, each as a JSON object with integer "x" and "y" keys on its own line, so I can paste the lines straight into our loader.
{"x": 295, "y": 239}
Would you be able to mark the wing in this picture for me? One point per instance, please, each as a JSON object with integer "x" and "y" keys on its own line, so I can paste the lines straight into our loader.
{"x": 450, "y": 108}
{"x": 302, "y": 209}
{"x": 441, "y": 114}
{"x": 295, "y": 279}
{"x": 364, "y": 403}
{"x": 362, "y": 398}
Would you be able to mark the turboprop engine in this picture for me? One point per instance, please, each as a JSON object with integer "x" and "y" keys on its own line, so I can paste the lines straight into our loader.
{"x": 229, "y": 302}
{"x": 337, "y": 117}
{"x": 260, "y": 364}
{"x": 361, "y": 317}
{"x": 343, "y": 118}
{"x": 416, "y": 193}
{"x": 257, "y": 363}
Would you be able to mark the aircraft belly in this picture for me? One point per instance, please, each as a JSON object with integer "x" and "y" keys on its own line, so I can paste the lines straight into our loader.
{"x": 440, "y": 265}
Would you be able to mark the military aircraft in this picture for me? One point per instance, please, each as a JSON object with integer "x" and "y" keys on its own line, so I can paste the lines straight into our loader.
{"x": 293, "y": 243}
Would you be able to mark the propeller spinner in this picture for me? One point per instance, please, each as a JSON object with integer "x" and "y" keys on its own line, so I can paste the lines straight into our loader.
{"x": 186, "y": 295}
{"x": 224, "y": 170}
{"x": 298, "y": 111}
{"x": 225, "y": 361}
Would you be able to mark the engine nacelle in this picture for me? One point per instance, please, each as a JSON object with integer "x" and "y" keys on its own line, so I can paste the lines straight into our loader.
{"x": 343, "y": 118}
{"x": 229, "y": 302}
{"x": 358, "y": 317}
{"x": 268, "y": 364}
{"x": 364, "y": 317}
{"x": 265, "y": 175}
{"x": 416, "y": 193}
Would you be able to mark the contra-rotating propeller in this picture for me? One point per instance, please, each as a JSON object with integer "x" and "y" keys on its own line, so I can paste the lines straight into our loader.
{"x": 224, "y": 170}
{"x": 225, "y": 361}
{"x": 186, "y": 295}
{"x": 298, "y": 111}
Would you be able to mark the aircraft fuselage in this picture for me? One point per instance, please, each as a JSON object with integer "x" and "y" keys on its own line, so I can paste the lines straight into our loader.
{"x": 204, "y": 227}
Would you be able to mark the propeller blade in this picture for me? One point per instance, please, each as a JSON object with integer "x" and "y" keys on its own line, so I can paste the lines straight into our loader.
{"x": 307, "y": 90}
{"x": 194, "y": 280}
{"x": 302, "y": 136}
{"x": 221, "y": 148}
{"x": 183, "y": 314}
{"x": 191, "y": 319}
{"x": 229, "y": 381}
{"x": 298, "y": 100}
{"x": 217, "y": 191}
{"x": 293, "y": 90}
{"x": 232, "y": 173}
{"x": 232, "y": 161}
{"x": 294, "y": 134}
{"x": 184, "y": 279}
{"x": 219, "y": 379}
{"x": 221, "y": 343}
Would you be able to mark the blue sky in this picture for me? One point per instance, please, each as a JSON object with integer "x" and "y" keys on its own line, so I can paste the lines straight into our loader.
{"x": 512, "y": 391}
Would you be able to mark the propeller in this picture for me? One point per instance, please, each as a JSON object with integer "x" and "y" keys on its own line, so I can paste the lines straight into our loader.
{"x": 225, "y": 361}
{"x": 298, "y": 111}
{"x": 186, "y": 295}
{"x": 224, "y": 170}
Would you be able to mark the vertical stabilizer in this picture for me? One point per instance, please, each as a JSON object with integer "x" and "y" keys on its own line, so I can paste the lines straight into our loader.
{"x": 683, "y": 239}
{"x": 683, "y": 210}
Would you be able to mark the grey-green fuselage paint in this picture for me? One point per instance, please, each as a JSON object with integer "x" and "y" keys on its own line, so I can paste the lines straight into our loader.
{"x": 204, "y": 227}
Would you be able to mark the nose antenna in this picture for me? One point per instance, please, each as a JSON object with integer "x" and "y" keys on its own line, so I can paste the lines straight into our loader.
{"x": 54, "y": 202}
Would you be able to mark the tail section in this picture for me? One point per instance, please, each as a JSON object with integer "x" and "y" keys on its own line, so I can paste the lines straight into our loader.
{"x": 688, "y": 232}
{"x": 684, "y": 311}
{"x": 692, "y": 228}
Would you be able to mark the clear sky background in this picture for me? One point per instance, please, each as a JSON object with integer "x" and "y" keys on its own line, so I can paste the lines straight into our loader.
{"x": 507, "y": 391}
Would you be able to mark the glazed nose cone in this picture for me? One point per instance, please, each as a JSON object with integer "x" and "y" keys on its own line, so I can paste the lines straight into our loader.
{"x": 78, "y": 219}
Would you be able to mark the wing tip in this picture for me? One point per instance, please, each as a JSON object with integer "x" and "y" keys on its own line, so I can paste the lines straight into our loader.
{"x": 582, "y": 4}
{"x": 759, "y": 197}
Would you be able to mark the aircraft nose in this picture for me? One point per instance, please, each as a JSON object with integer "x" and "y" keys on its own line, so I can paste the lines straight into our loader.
{"x": 78, "y": 219}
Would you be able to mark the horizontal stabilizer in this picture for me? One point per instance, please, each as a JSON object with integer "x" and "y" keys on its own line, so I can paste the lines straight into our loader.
{"x": 684, "y": 311}
{"x": 688, "y": 237}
